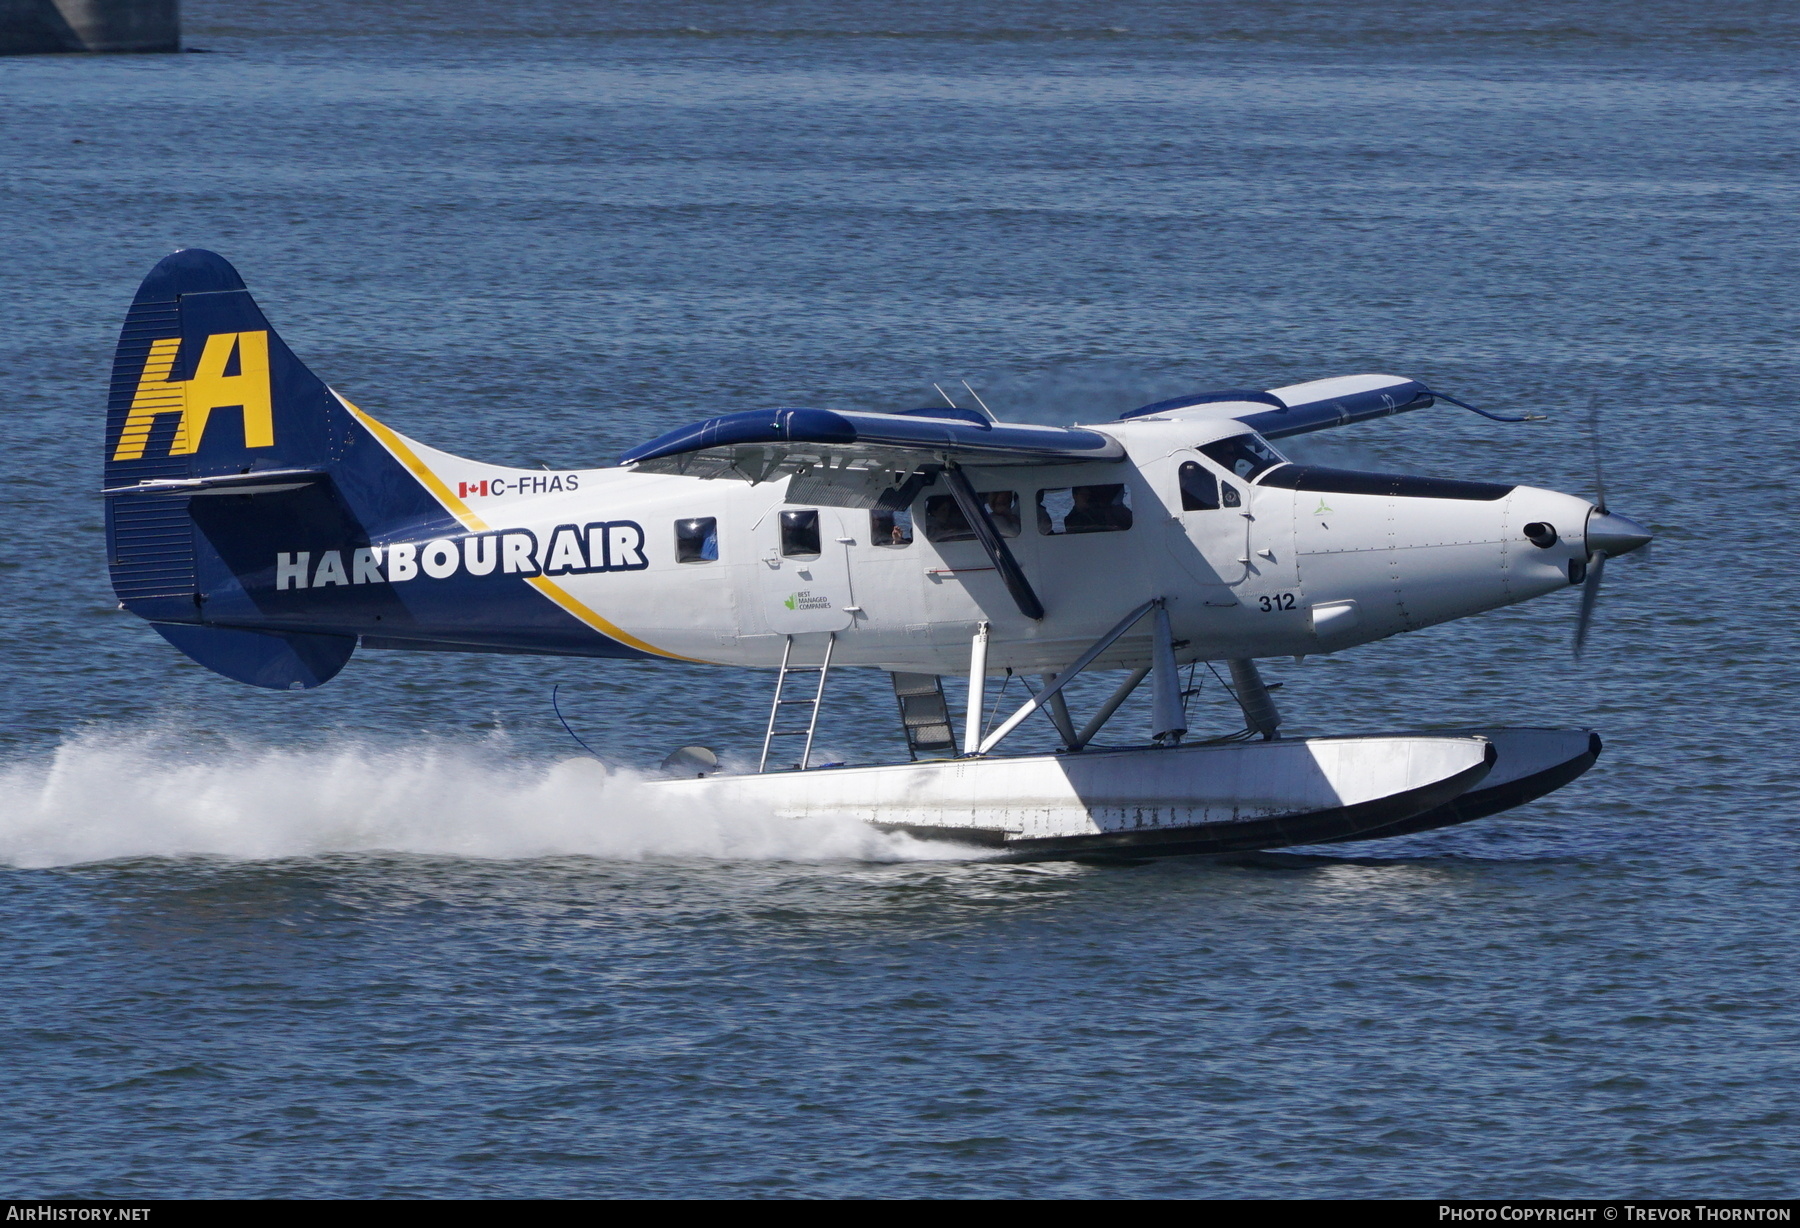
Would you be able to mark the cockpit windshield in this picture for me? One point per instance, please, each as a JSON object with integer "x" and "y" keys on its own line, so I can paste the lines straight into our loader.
{"x": 1244, "y": 455}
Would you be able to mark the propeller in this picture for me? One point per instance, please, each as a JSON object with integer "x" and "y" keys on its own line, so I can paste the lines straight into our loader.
{"x": 1608, "y": 534}
{"x": 1596, "y": 559}
{"x": 1599, "y": 456}
{"x": 1590, "y": 595}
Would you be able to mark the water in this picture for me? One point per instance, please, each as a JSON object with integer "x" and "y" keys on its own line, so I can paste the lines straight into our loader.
{"x": 394, "y": 937}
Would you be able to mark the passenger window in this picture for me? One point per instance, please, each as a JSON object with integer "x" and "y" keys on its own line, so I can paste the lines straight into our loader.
{"x": 1244, "y": 455}
{"x": 891, "y": 528}
{"x": 1003, "y": 506}
{"x": 944, "y": 520}
{"x": 1229, "y": 495}
{"x": 1199, "y": 488}
{"x": 697, "y": 540}
{"x": 799, "y": 533}
{"x": 1084, "y": 509}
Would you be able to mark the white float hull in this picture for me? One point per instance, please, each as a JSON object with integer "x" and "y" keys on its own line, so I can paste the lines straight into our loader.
{"x": 1187, "y": 799}
{"x": 1531, "y": 763}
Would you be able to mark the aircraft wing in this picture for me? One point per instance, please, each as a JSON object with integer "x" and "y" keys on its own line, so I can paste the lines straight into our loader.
{"x": 759, "y": 445}
{"x": 1299, "y": 408}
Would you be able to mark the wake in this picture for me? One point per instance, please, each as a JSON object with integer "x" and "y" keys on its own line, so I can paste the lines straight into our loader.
{"x": 107, "y": 794}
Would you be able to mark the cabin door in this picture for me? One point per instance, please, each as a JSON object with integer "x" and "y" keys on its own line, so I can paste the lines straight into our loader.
{"x": 803, "y": 567}
{"x": 1211, "y": 544}
{"x": 1238, "y": 538}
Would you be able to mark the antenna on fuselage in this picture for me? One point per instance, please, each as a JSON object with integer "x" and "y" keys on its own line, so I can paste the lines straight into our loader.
{"x": 946, "y": 396}
{"x": 979, "y": 401}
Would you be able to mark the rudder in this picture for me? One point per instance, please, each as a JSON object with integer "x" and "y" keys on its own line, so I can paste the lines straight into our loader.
{"x": 202, "y": 386}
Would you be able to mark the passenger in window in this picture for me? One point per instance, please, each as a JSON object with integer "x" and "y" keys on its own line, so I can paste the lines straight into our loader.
{"x": 1086, "y": 515}
{"x": 697, "y": 540}
{"x": 1084, "y": 509}
{"x": 1003, "y": 506}
{"x": 944, "y": 521}
{"x": 1245, "y": 455}
{"x": 1098, "y": 509}
{"x": 891, "y": 528}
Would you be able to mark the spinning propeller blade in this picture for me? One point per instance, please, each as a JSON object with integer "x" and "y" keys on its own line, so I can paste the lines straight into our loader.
{"x": 1590, "y": 594}
{"x": 1594, "y": 443}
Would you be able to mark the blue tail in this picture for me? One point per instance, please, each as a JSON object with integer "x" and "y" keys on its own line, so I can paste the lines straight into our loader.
{"x": 248, "y": 507}
{"x": 202, "y": 387}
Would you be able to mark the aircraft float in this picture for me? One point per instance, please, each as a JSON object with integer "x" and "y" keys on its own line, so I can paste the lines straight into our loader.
{"x": 267, "y": 527}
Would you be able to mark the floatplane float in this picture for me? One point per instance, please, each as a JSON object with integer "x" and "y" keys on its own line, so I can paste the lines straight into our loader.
{"x": 267, "y": 527}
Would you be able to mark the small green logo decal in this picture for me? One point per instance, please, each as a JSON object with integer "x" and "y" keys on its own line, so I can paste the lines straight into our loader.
{"x": 1321, "y": 510}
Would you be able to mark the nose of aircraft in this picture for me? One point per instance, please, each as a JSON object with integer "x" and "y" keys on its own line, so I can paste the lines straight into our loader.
{"x": 1614, "y": 534}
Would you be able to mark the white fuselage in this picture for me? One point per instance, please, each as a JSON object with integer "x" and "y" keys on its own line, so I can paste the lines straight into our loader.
{"x": 1286, "y": 572}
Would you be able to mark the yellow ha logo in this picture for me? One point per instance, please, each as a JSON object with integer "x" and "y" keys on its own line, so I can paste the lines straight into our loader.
{"x": 195, "y": 399}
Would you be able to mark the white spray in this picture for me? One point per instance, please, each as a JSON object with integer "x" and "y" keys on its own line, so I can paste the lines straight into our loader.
{"x": 108, "y": 794}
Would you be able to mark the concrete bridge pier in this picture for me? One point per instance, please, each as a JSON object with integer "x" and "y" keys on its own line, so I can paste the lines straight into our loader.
{"x": 30, "y": 27}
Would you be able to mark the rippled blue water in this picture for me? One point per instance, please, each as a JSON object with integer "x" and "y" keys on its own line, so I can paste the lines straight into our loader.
{"x": 387, "y": 938}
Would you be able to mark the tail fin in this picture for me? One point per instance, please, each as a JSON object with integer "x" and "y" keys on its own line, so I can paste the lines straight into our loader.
{"x": 202, "y": 385}
{"x": 203, "y": 388}
{"x": 263, "y": 525}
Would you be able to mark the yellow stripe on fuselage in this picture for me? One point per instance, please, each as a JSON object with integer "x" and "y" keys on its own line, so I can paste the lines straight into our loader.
{"x": 396, "y": 444}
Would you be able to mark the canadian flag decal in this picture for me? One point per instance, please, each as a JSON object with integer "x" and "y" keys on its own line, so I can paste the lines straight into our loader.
{"x": 465, "y": 489}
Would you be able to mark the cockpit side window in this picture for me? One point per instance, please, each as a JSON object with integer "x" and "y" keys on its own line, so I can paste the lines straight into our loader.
{"x": 1245, "y": 455}
{"x": 1199, "y": 488}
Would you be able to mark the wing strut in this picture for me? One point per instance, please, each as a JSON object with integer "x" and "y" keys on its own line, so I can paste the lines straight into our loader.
{"x": 988, "y": 534}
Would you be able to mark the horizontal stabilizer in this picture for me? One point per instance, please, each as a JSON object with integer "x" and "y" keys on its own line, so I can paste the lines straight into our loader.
{"x": 263, "y": 482}
{"x": 279, "y": 660}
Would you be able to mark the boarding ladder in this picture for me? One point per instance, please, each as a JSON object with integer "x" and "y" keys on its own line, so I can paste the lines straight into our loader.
{"x": 924, "y": 715}
{"x": 812, "y": 724}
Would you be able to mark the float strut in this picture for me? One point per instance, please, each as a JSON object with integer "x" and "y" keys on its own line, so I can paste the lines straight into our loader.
{"x": 972, "y": 722}
{"x": 1050, "y": 692}
{"x": 1253, "y": 697}
{"x": 1167, "y": 721}
{"x": 1111, "y": 706}
{"x": 1059, "y": 716}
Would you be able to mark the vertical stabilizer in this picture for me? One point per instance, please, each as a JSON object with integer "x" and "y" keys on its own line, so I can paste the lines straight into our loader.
{"x": 203, "y": 387}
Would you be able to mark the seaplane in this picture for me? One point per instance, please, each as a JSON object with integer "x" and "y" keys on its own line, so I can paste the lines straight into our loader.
{"x": 268, "y": 528}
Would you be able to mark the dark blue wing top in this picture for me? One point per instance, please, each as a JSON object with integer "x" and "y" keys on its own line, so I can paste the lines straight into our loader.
{"x": 1313, "y": 406}
{"x": 760, "y": 444}
{"x": 1347, "y": 407}
{"x": 964, "y": 438}
{"x": 1305, "y": 407}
